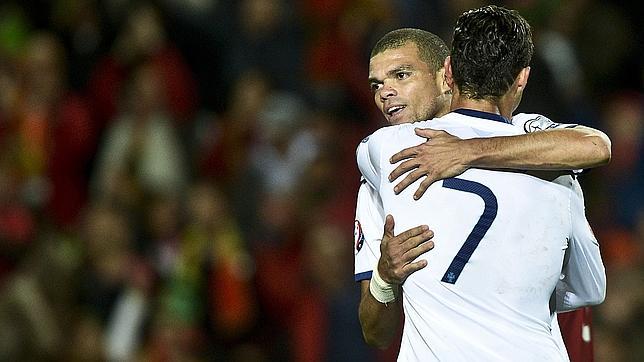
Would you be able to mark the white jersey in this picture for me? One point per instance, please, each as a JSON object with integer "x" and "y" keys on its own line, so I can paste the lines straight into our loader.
{"x": 519, "y": 277}
{"x": 370, "y": 217}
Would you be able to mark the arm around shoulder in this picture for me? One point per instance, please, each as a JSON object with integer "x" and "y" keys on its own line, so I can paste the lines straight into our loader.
{"x": 598, "y": 142}
{"x": 572, "y": 148}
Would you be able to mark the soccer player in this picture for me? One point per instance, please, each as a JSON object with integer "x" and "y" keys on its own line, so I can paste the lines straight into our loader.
{"x": 393, "y": 111}
{"x": 410, "y": 61}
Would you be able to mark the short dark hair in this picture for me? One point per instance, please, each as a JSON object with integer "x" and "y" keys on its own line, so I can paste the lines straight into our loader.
{"x": 431, "y": 49}
{"x": 491, "y": 45}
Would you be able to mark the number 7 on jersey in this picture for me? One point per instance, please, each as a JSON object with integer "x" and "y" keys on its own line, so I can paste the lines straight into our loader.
{"x": 482, "y": 225}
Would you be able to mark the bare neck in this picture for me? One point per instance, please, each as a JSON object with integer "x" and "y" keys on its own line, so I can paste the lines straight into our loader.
{"x": 501, "y": 106}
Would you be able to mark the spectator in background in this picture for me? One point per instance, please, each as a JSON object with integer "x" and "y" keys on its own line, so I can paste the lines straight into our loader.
{"x": 18, "y": 226}
{"x": 322, "y": 194}
{"x": 210, "y": 278}
{"x": 54, "y": 136}
{"x": 623, "y": 117}
{"x": 14, "y": 32}
{"x": 223, "y": 146}
{"x": 141, "y": 154}
{"x": 285, "y": 147}
{"x": 620, "y": 318}
{"x": 115, "y": 285}
{"x": 223, "y": 143}
{"x": 344, "y": 27}
{"x": 324, "y": 327}
{"x": 142, "y": 40}
{"x": 84, "y": 33}
{"x": 107, "y": 240}
{"x": 34, "y": 303}
{"x": 266, "y": 36}
{"x": 161, "y": 235}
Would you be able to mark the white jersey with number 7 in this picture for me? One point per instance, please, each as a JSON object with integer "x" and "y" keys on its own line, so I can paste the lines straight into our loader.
{"x": 500, "y": 241}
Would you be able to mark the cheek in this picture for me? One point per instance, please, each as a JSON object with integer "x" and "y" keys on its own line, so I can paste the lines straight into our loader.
{"x": 378, "y": 101}
{"x": 424, "y": 103}
{"x": 429, "y": 89}
{"x": 425, "y": 94}
{"x": 421, "y": 98}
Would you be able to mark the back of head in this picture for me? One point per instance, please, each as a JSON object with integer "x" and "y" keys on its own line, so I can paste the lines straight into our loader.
{"x": 491, "y": 45}
{"x": 431, "y": 49}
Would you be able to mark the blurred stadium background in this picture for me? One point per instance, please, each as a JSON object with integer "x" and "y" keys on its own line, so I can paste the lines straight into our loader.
{"x": 177, "y": 177}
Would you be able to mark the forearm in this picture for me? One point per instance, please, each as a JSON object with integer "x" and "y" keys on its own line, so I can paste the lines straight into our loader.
{"x": 380, "y": 323}
{"x": 556, "y": 149}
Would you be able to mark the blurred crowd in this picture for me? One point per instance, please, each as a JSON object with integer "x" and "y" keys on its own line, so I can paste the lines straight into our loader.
{"x": 178, "y": 183}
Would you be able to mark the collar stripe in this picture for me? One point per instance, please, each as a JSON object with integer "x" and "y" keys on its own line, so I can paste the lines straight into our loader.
{"x": 481, "y": 114}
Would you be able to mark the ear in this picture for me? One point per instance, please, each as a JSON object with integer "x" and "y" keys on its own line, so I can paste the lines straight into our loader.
{"x": 522, "y": 79}
{"x": 449, "y": 79}
{"x": 515, "y": 93}
{"x": 441, "y": 82}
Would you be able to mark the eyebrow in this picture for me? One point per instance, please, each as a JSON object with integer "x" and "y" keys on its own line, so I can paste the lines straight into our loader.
{"x": 392, "y": 72}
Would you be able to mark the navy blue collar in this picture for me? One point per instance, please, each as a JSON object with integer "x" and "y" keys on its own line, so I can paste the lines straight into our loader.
{"x": 481, "y": 114}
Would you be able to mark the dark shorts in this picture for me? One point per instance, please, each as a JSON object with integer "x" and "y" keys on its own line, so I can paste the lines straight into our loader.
{"x": 576, "y": 329}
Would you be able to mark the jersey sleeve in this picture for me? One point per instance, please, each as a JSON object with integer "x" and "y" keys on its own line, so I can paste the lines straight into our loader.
{"x": 583, "y": 280}
{"x": 368, "y": 229}
{"x": 531, "y": 122}
{"x": 368, "y": 158}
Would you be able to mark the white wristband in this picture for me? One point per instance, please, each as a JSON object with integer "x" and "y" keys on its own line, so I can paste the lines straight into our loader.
{"x": 380, "y": 289}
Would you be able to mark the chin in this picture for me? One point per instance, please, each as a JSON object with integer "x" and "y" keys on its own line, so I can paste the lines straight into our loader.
{"x": 398, "y": 120}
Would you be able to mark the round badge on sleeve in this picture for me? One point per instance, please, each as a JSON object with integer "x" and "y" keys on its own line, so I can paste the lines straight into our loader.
{"x": 358, "y": 235}
{"x": 540, "y": 123}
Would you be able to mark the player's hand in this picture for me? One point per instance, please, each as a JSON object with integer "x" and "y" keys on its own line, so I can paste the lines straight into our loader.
{"x": 398, "y": 252}
{"x": 438, "y": 158}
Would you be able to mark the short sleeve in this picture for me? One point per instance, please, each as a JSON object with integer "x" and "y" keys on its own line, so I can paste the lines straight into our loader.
{"x": 531, "y": 122}
{"x": 368, "y": 229}
{"x": 368, "y": 158}
{"x": 583, "y": 280}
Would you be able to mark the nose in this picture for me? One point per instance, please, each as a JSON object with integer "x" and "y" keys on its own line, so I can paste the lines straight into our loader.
{"x": 387, "y": 91}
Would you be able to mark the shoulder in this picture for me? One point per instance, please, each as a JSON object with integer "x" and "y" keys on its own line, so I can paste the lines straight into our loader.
{"x": 378, "y": 145}
{"x": 388, "y": 131}
{"x": 368, "y": 157}
{"x": 383, "y": 137}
